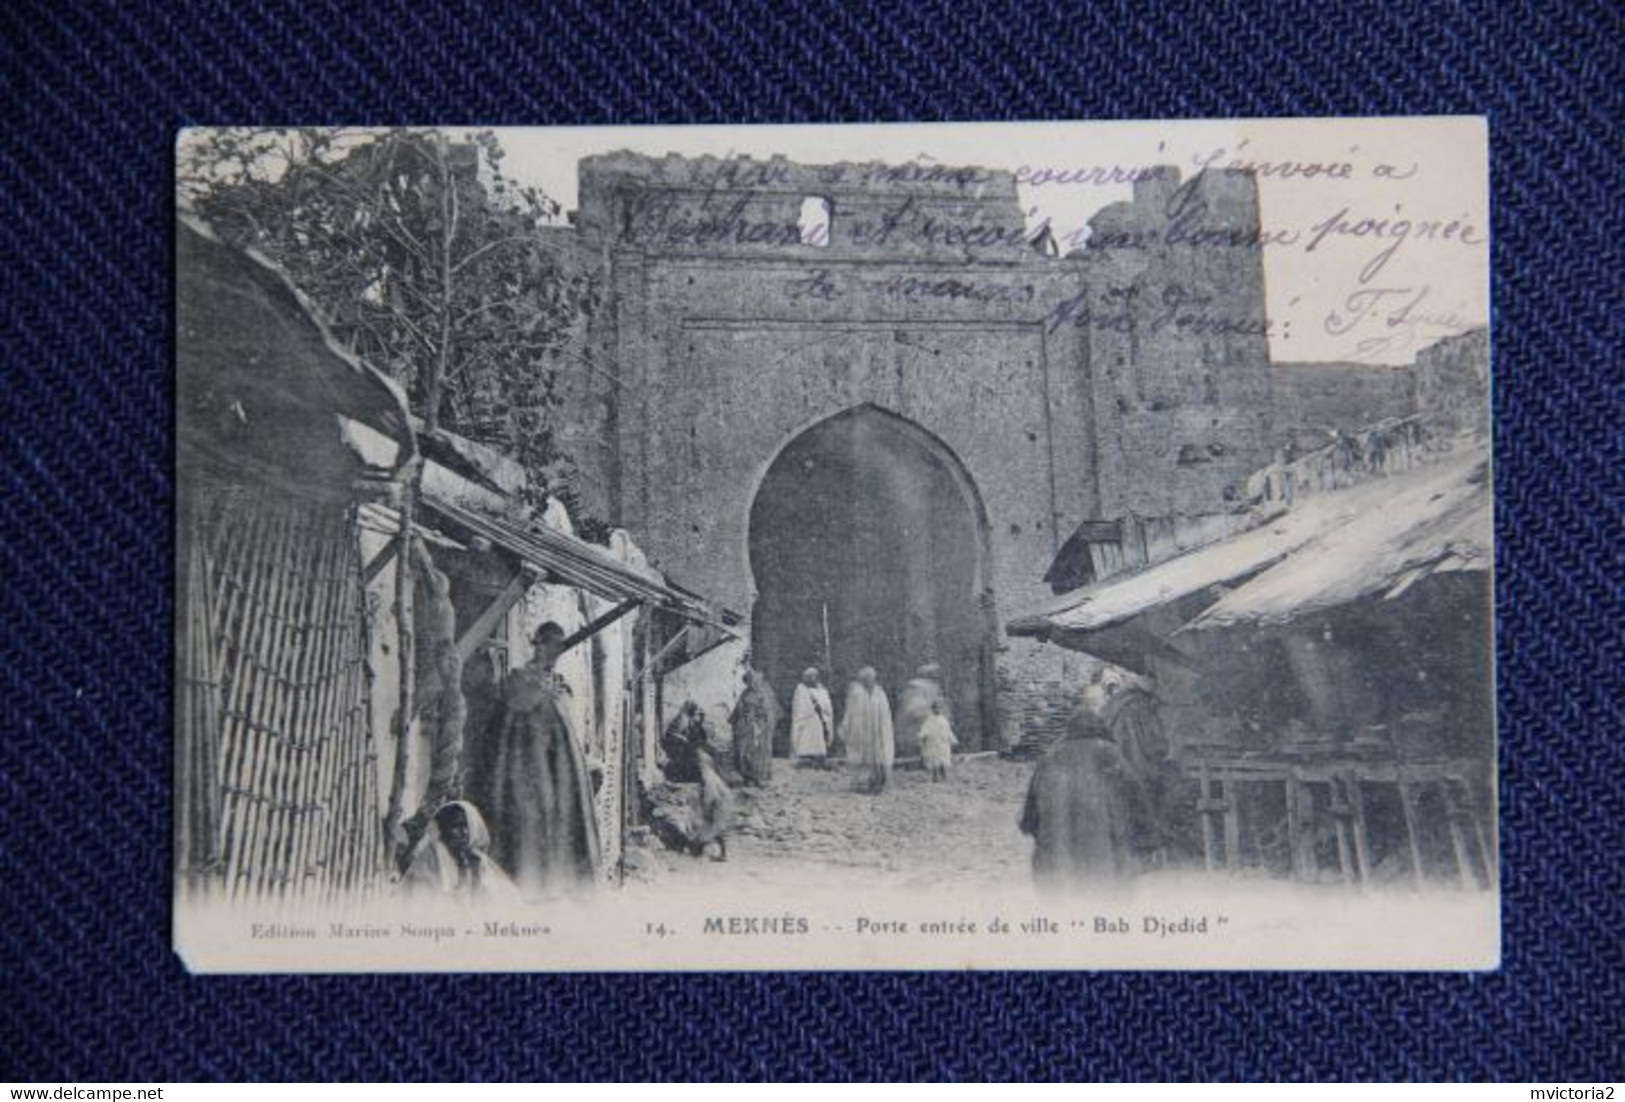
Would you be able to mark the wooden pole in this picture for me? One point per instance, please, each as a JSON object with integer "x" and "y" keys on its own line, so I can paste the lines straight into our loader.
{"x": 1205, "y": 809}
{"x": 1407, "y": 804}
{"x": 1362, "y": 841}
{"x": 1458, "y": 838}
{"x": 1228, "y": 794}
{"x": 349, "y": 822}
{"x": 1294, "y": 827}
{"x": 199, "y": 810}
{"x": 829, "y": 653}
{"x": 1340, "y": 823}
{"x": 411, "y": 473}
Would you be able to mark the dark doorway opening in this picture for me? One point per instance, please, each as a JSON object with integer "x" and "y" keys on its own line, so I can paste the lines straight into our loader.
{"x": 868, "y": 548}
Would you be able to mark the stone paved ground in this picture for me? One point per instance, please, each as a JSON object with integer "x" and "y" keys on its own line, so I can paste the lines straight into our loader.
{"x": 811, "y": 827}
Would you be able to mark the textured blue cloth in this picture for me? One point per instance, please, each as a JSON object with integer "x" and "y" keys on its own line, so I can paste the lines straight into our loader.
{"x": 93, "y": 96}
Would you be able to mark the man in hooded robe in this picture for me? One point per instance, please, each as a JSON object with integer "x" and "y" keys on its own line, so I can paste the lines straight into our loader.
{"x": 1085, "y": 809}
{"x": 452, "y": 862}
{"x": 1130, "y": 713}
{"x": 755, "y": 715}
{"x": 866, "y": 727}
{"x": 921, "y": 698}
{"x": 540, "y": 792}
{"x": 812, "y": 719}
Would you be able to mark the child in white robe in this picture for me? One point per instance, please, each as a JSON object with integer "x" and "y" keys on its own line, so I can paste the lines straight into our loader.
{"x": 937, "y": 743}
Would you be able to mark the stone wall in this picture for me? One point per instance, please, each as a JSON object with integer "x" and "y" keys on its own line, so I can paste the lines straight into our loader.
{"x": 1453, "y": 383}
{"x": 747, "y": 301}
{"x": 1175, "y": 341}
{"x": 1312, "y": 401}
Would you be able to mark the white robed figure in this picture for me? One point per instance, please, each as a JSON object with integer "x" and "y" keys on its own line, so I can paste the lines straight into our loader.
{"x": 812, "y": 717}
{"x": 937, "y": 742}
{"x": 867, "y": 729}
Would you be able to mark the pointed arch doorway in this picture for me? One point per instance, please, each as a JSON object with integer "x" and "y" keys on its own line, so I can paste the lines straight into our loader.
{"x": 869, "y": 547}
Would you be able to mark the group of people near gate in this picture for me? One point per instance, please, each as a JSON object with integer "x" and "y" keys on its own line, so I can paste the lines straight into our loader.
{"x": 510, "y": 815}
{"x": 869, "y": 731}
{"x": 866, "y": 732}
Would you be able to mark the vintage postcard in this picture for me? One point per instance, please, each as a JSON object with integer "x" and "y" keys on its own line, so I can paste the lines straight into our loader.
{"x": 1050, "y": 545}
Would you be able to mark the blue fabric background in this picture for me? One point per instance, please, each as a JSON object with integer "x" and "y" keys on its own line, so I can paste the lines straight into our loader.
{"x": 93, "y": 96}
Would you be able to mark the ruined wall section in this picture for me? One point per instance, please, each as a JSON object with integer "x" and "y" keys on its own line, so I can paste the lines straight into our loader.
{"x": 1172, "y": 323}
{"x": 1310, "y": 402}
{"x": 1453, "y": 383}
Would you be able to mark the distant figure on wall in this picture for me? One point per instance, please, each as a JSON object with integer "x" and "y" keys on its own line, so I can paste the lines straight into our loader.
{"x": 1085, "y": 809}
{"x": 755, "y": 716}
{"x": 866, "y": 728}
{"x": 811, "y": 721}
{"x": 539, "y": 791}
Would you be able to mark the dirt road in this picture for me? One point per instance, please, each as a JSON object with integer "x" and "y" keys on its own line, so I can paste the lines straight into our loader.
{"x": 811, "y": 827}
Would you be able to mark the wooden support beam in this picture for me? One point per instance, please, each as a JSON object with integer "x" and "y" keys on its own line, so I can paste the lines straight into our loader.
{"x": 1407, "y": 804}
{"x": 1229, "y": 792}
{"x": 588, "y": 631}
{"x": 1204, "y": 809}
{"x": 1307, "y": 863}
{"x": 1341, "y": 815}
{"x": 1458, "y": 837}
{"x": 660, "y": 654}
{"x": 1362, "y": 839}
{"x": 469, "y": 641}
{"x": 1294, "y": 827}
{"x": 376, "y": 565}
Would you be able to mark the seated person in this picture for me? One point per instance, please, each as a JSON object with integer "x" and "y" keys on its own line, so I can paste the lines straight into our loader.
{"x": 685, "y": 737}
{"x": 450, "y": 861}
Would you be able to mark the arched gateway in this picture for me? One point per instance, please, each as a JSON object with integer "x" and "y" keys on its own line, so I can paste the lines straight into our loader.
{"x": 869, "y": 547}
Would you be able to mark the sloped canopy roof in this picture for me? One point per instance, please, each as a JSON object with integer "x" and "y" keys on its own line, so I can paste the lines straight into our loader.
{"x": 242, "y": 324}
{"x": 574, "y": 561}
{"x": 1437, "y": 524}
{"x": 1378, "y": 536}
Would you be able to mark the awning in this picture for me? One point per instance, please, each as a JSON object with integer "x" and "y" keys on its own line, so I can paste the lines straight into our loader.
{"x": 1378, "y": 536}
{"x": 573, "y": 561}
{"x": 1438, "y": 524}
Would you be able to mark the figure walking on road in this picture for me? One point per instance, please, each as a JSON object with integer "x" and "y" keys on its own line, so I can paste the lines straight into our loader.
{"x": 1085, "y": 809}
{"x": 867, "y": 730}
{"x": 754, "y": 717}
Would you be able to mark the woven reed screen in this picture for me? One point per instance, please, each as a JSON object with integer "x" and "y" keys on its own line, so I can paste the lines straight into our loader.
{"x": 273, "y": 704}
